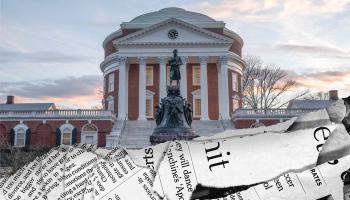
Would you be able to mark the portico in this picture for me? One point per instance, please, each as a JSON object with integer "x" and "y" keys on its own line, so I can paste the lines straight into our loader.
{"x": 140, "y": 60}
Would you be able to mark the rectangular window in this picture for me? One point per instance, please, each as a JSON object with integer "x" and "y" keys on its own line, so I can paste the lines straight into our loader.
{"x": 149, "y": 108}
{"x": 235, "y": 82}
{"x": 149, "y": 75}
{"x": 111, "y": 105}
{"x": 196, "y": 72}
{"x": 66, "y": 138}
{"x": 197, "y": 107}
{"x": 235, "y": 104}
{"x": 89, "y": 139}
{"x": 111, "y": 82}
{"x": 20, "y": 139}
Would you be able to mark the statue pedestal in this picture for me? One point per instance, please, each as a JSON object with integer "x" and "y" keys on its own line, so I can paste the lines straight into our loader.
{"x": 173, "y": 118}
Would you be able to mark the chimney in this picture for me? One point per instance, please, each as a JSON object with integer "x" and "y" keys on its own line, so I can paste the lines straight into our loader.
{"x": 333, "y": 95}
{"x": 10, "y": 100}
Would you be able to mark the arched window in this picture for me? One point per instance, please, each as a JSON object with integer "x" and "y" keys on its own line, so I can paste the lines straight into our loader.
{"x": 20, "y": 138}
{"x": 89, "y": 134}
{"x": 67, "y": 134}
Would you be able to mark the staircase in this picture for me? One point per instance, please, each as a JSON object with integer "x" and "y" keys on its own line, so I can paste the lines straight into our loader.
{"x": 136, "y": 133}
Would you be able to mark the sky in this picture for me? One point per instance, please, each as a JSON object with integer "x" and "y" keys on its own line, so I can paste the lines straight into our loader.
{"x": 50, "y": 51}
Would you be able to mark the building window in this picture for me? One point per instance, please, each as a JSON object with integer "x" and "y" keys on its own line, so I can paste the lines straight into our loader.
{"x": 197, "y": 107}
{"x": 111, "y": 82}
{"x": 110, "y": 105}
{"x": 89, "y": 139}
{"x": 149, "y": 103}
{"x": 196, "y": 72}
{"x": 20, "y": 137}
{"x": 235, "y": 104}
{"x": 67, "y": 136}
{"x": 235, "y": 82}
{"x": 89, "y": 134}
{"x": 149, "y": 75}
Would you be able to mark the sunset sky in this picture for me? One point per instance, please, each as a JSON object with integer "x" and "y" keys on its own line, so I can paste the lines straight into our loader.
{"x": 50, "y": 51}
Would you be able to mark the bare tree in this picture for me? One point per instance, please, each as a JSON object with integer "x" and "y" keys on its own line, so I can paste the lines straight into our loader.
{"x": 266, "y": 86}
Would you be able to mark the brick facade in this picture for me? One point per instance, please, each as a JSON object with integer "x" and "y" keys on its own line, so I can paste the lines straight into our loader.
{"x": 45, "y": 133}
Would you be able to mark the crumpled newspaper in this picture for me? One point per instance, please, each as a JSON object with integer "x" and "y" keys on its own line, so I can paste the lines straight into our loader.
{"x": 303, "y": 158}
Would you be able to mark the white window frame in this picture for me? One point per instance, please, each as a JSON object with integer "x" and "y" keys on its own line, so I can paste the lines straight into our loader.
{"x": 234, "y": 80}
{"x": 85, "y": 134}
{"x": 233, "y": 103}
{"x": 151, "y": 79}
{"x": 196, "y": 95}
{"x": 65, "y": 127}
{"x": 110, "y": 103}
{"x": 110, "y": 82}
{"x": 17, "y": 128}
{"x": 193, "y": 75}
{"x": 150, "y": 96}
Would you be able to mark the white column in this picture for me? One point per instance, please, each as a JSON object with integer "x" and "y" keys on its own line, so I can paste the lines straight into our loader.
{"x": 142, "y": 88}
{"x": 204, "y": 88}
{"x": 121, "y": 88}
{"x": 162, "y": 77}
{"x": 224, "y": 96}
{"x": 183, "y": 81}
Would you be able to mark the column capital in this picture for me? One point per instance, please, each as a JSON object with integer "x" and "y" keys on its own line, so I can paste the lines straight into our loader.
{"x": 162, "y": 60}
{"x": 224, "y": 59}
{"x": 122, "y": 60}
{"x": 203, "y": 59}
{"x": 142, "y": 60}
{"x": 184, "y": 59}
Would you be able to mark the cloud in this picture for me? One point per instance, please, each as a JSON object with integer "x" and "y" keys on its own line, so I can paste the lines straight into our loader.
{"x": 316, "y": 50}
{"x": 324, "y": 81}
{"x": 267, "y": 10}
{"x": 39, "y": 57}
{"x": 81, "y": 91}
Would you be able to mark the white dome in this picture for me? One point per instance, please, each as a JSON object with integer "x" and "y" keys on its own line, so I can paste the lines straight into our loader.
{"x": 172, "y": 12}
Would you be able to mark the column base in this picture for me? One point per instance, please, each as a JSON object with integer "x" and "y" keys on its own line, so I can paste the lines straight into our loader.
{"x": 142, "y": 118}
{"x": 204, "y": 118}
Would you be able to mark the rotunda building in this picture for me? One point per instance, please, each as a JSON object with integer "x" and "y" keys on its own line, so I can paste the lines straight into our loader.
{"x": 136, "y": 73}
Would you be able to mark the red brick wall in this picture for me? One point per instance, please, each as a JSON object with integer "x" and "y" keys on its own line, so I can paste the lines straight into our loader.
{"x": 133, "y": 90}
{"x": 236, "y": 47}
{"x": 269, "y": 122}
{"x": 45, "y": 134}
{"x": 213, "y": 91}
{"x": 244, "y": 123}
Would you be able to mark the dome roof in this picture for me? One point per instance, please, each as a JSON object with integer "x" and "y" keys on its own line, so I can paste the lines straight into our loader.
{"x": 171, "y": 12}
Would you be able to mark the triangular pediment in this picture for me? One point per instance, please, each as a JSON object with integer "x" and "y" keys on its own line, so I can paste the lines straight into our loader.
{"x": 158, "y": 34}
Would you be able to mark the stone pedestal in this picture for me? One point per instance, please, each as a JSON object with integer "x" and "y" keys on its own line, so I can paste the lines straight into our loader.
{"x": 173, "y": 118}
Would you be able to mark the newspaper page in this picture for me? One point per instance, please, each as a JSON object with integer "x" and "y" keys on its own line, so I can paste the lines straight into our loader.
{"x": 326, "y": 181}
{"x": 122, "y": 179}
{"x": 250, "y": 159}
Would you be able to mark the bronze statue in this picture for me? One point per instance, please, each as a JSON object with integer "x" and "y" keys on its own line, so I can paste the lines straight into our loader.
{"x": 175, "y": 64}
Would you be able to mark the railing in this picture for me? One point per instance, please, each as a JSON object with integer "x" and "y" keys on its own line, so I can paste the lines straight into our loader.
{"x": 122, "y": 129}
{"x": 270, "y": 113}
{"x": 58, "y": 114}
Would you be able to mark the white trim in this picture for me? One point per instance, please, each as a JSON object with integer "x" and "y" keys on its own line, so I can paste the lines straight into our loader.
{"x": 64, "y": 127}
{"x": 16, "y": 129}
{"x": 151, "y": 68}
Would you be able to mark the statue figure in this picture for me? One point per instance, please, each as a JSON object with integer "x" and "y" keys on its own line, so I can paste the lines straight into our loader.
{"x": 175, "y": 64}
